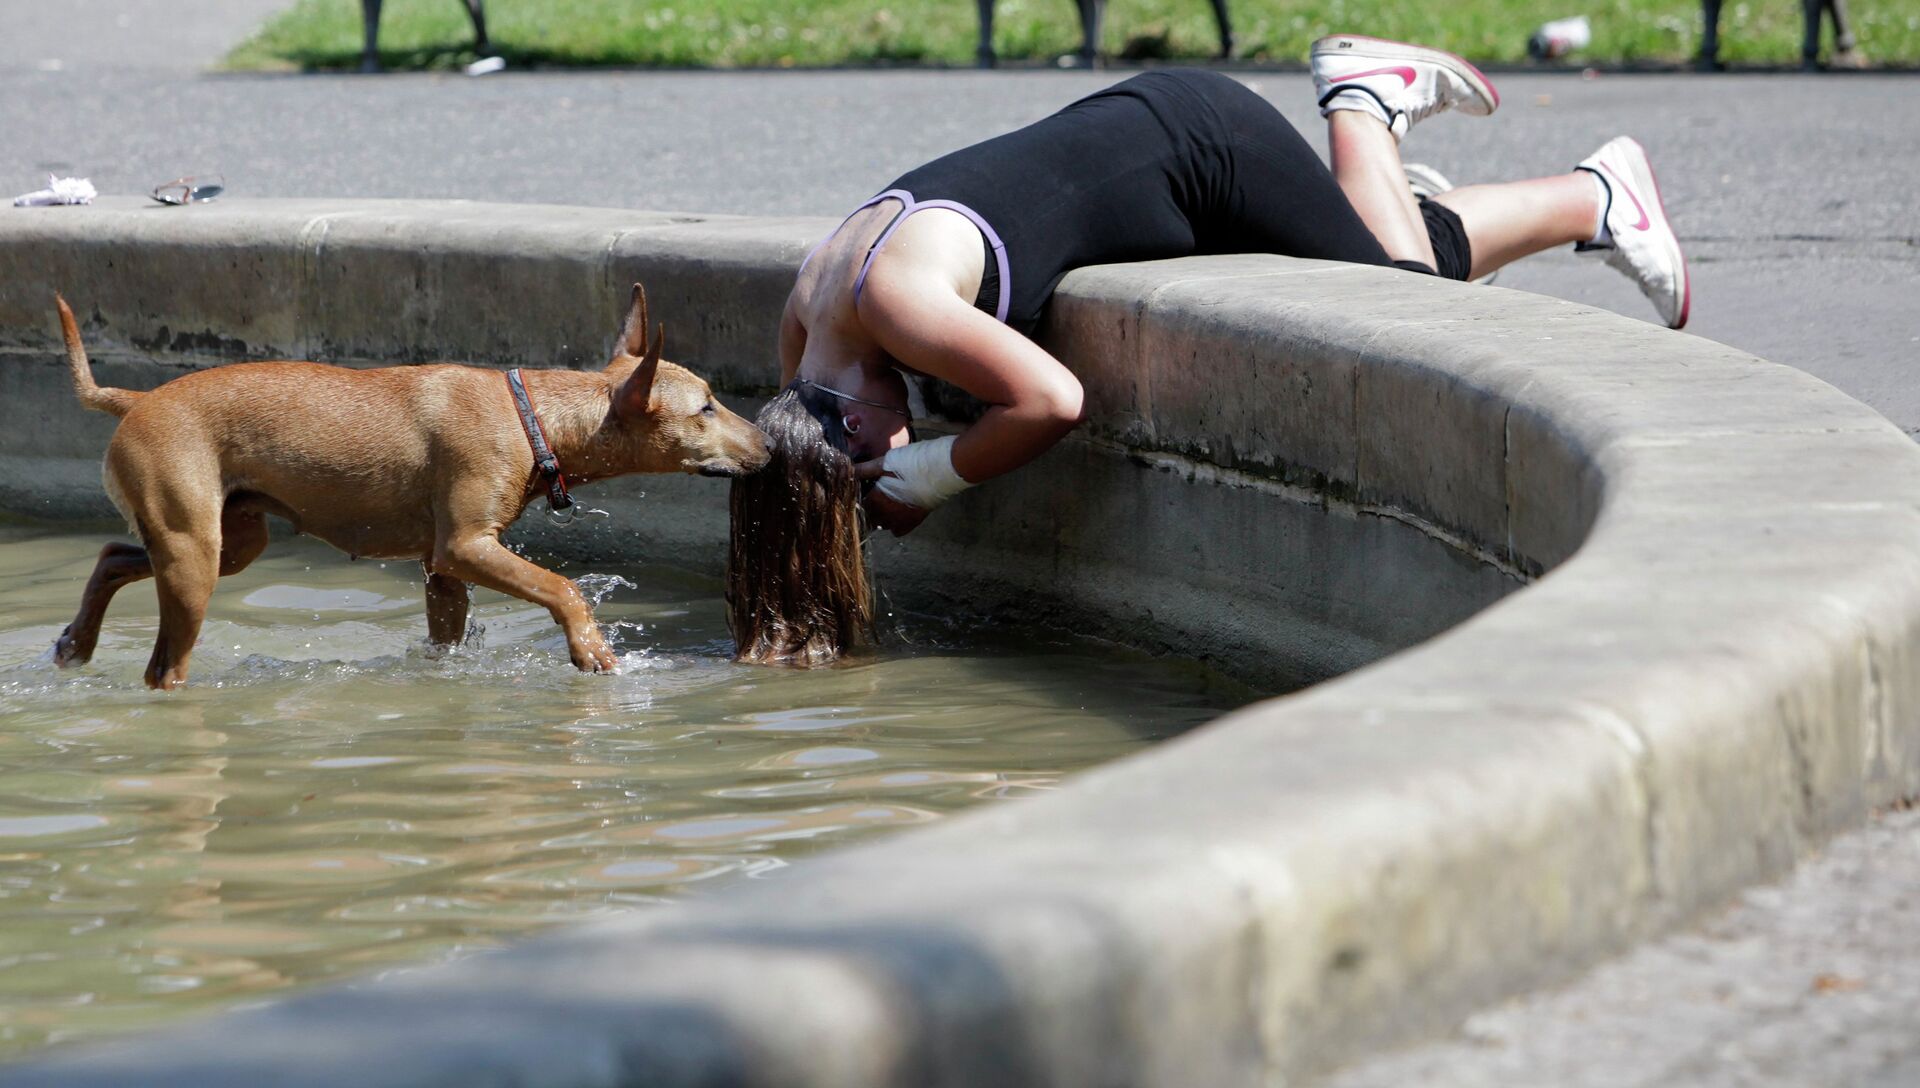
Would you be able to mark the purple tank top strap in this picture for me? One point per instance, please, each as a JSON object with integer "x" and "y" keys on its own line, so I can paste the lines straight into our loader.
{"x": 993, "y": 240}
{"x": 870, "y": 203}
{"x": 907, "y": 209}
{"x": 912, "y": 206}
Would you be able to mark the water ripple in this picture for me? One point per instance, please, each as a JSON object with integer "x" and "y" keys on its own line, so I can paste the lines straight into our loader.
{"x": 330, "y": 795}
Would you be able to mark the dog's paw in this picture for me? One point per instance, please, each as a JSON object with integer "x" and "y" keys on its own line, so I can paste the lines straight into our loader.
{"x": 595, "y": 656}
{"x": 67, "y": 652}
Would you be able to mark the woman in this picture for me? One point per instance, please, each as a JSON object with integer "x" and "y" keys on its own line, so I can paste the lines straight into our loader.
{"x": 937, "y": 275}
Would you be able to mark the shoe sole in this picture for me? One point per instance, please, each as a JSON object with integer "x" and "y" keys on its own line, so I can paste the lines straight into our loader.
{"x": 1640, "y": 175}
{"x": 1425, "y": 180}
{"x": 1383, "y": 49}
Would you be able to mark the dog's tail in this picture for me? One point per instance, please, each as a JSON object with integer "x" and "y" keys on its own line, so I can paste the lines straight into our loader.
{"x": 116, "y": 402}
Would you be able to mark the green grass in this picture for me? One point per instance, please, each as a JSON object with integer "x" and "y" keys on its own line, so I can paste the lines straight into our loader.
{"x": 434, "y": 34}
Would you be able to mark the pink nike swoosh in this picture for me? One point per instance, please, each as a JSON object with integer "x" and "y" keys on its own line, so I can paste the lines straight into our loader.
{"x": 1644, "y": 222}
{"x": 1405, "y": 73}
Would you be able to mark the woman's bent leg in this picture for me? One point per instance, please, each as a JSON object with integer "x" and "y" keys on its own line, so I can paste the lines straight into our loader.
{"x": 1280, "y": 198}
{"x": 1507, "y": 221}
{"x": 1366, "y": 165}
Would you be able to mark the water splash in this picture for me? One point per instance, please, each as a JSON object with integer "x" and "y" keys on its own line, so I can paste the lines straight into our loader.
{"x": 565, "y": 518}
{"x": 598, "y": 587}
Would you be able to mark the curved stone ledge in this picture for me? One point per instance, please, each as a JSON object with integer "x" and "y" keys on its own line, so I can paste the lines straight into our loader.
{"x": 1293, "y": 468}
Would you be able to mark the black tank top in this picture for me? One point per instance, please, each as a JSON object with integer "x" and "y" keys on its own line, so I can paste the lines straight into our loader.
{"x": 1138, "y": 171}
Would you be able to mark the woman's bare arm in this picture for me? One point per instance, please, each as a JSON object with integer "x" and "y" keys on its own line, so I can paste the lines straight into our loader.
{"x": 1033, "y": 400}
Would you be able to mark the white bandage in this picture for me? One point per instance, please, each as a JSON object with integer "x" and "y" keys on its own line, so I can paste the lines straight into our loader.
{"x": 921, "y": 473}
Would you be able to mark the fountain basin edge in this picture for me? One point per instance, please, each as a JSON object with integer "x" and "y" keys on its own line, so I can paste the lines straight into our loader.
{"x": 1604, "y": 622}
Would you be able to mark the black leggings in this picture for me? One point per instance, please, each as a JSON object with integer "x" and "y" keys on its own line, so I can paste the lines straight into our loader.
{"x": 1166, "y": 164}
{"x": 1287, "y": 202}
{"x": 1449, "y": 238}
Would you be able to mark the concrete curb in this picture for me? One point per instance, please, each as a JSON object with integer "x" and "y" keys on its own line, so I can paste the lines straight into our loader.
{"x": 1715, "y": 669}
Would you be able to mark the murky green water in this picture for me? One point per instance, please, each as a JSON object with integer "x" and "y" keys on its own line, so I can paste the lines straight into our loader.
{"x": 328, "y": 797}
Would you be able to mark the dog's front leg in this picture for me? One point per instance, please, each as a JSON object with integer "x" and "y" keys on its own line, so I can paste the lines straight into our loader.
{"x": 446, "y": 609}
{"x": 484, "y": 561}
{"x": 119, "y": 565}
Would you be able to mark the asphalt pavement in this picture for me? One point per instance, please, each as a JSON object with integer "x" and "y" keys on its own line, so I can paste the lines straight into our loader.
{"x": 1813, "y": 983}
{"x": 1793, "y": 195}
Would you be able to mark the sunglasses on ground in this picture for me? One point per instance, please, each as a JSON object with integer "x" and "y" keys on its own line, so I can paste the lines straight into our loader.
{"x": 192, "y": 190}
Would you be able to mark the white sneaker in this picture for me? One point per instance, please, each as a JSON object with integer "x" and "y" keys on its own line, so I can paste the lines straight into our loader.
{"x": 1424, "y": 180}
{"x": 1427, "y": 183}
{"x": 1644, "y": 246}
{"x": 1409, "y": 82}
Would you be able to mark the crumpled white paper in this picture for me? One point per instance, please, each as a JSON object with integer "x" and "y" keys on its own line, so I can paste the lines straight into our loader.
{"x": 59, "y": 191}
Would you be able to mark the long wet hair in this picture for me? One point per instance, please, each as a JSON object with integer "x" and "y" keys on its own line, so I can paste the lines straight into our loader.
{"x": 797, "y": 585}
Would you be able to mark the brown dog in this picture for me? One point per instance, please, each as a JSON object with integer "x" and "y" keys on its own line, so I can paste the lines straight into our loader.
{"x": 420, "y": 462}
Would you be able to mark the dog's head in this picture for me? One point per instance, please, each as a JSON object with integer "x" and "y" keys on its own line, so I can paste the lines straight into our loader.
{"x": 667, "y": 416}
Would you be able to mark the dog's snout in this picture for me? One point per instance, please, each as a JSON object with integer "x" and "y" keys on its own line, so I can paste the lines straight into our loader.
{"x": 759, "y": 451}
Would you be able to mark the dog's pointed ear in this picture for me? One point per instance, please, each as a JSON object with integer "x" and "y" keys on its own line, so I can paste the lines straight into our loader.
{"x": 636, "y": 393}
{"x": 633, "y": 335}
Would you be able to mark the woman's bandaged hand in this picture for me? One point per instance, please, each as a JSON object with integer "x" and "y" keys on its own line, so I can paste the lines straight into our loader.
{"x": 921, "y": 473}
